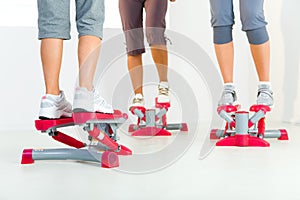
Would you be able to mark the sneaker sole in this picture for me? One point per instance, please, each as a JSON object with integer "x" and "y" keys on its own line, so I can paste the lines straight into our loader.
{"x": 48, "y": 114}
{"x": 81, "y": 110}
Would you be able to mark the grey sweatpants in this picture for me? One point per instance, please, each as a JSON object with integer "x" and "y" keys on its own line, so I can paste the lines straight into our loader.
{"x": 54, "y": 18}
{"x": 252, "y": 17}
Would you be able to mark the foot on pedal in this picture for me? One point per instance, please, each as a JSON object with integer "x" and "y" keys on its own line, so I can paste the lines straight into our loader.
{"x": 228, "y": 96}
{"x": 90, "y": 101}
{"x": 163, "y": 93}
{"x": 55, "y": 107}
{"x": 265, "y": 95}
{"x": 137, "y": 101}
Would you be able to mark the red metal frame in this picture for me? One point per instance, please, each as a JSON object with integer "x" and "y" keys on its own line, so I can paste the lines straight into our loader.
{"x": 284, "y": 135}
{"x": 109, "y": 158}
{"x": 246, "y": 140}
{"x": 45, "y": 124}
{"x": 152, "y": 131}
{"x": 27, "y": 157}
{"x": 68, "y": 140}
{"x": 243, "y": 141}
{"x": 83, "y": 117}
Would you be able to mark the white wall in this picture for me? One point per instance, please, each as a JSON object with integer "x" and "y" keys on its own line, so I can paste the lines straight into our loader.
{"x": 21, "y": 82}
{"x": 192, "y": 18}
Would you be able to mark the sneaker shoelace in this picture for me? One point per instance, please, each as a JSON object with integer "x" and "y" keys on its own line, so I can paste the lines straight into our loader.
{"x": 163, "y": 91}
{"x": 99, "y": 99}
{"x": 265, "y": 91}
{"x": 137, "y": 100}
{"x": 232, "y": 92}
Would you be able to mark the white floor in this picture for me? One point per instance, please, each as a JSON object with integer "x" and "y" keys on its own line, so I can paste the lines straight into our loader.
{"x": 227, "y": 173}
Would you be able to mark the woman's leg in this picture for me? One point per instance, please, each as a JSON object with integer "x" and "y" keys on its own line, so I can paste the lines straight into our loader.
{"x": 135, "y": 68}
{"x": 88, "y": 54}
{"x": 51, "y": 56}
{"x": 89, "y": 20}
{"x": 222, "y": 22}
{"x": 155, "y": 30}
{"x": 254, "y": 24}
{"x": 131, "y": 13}
{"x": 54, "y": 27}
{"x": 261, "y": 57}
{"x": 225, "y": 57}
{"x": 160, "y": 58}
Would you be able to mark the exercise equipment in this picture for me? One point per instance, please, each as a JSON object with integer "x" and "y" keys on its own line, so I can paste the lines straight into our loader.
{"x": 102, "y": 136}
{"x": 244, "y": 131}
{"x": 153, "y": 122}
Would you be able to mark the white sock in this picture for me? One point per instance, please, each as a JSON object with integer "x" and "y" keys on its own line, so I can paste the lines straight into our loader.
{"x": 56, "y": 97}
{"x": 164, "y": 84}
{"x": 264, "y": 84}
{"x": 229, "y": 86}
{"x": 139, "y": 96}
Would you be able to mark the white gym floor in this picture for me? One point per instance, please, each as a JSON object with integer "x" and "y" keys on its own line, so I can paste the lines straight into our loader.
{"x": 227, "y": 173}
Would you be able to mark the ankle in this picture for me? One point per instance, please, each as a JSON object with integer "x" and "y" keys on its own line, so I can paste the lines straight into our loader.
{"x": 229, "y": 87}
{"x": 55, "y": 92}
{"x": 139, "y": 96}
{"x": 90, "y": 88}
{"x": 56, "y": 96}
{"x": 263, "y": 85}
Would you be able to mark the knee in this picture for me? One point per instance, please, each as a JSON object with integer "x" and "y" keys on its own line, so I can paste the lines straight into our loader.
{"x": 90, "y": 18}
{"x": 222, "y": 34}
{"x": 254, "y": 24}
{"x": 52, "y": 25}
{"x": 252, "y": 19}
{"x": 258, "y": 36}
{"x": 92, "y": 25}
{"x": 135, "y": 42}
{"x": 137, "y": 53}
{"x": 220, "y": 18}
{"x": 155, "y": 36}
{"x": 91, "y": 30}
{"x": 54, "y": 30}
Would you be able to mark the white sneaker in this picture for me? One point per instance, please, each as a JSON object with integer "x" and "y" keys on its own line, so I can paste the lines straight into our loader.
{"x": 55, "y": 107}
{"x": 163, "y": 93}
{"x": 90, "y": 101}
{"x": 228, "y": 96}
{"x": 138, "y": 101}
{"x": 265, "y": 95}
